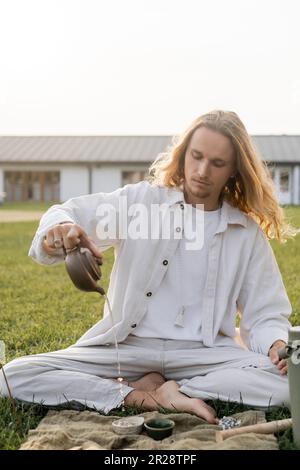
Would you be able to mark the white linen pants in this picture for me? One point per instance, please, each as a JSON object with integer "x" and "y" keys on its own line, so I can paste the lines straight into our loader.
{"x": 82, "y": 374}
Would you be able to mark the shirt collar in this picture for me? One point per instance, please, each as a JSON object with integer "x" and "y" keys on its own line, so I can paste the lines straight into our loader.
{"x": 229, "y": 214}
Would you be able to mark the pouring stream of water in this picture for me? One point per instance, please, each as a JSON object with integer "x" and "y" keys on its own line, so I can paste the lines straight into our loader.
{"x": 120, "y": 378}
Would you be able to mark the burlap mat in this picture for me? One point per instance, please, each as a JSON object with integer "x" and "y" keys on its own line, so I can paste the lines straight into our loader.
{"x": 88, "y": 430}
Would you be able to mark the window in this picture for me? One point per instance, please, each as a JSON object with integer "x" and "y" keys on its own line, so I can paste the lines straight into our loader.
{"x": 129, "y": 177}
{"x": 39, "y": 186}
{"x": 284, "y": 180}
{"x": 272, "y": 172}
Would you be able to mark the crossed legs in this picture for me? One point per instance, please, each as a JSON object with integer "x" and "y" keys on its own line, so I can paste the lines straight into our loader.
{"x": 152, "y": 392}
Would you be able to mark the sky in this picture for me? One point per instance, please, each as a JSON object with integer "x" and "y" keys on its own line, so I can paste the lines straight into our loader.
{"x": 147, "y": 67}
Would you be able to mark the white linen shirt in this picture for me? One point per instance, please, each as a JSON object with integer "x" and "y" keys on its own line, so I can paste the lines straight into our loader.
{"x": 242, "y": 274}
{"x": 181, "y": 290}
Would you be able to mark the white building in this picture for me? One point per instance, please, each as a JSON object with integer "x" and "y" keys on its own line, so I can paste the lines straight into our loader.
{"x": 57, "y": 168}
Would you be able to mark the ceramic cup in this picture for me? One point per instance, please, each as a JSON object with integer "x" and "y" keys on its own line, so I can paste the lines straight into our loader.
{"x": 127, "y": 426}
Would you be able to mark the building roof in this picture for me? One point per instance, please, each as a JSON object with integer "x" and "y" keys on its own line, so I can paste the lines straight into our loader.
{"x": 122, "y": 149}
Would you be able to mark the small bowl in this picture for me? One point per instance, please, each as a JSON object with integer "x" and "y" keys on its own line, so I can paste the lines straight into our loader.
{"x": 159, "y": 428}
{"x": 131, "y": 425}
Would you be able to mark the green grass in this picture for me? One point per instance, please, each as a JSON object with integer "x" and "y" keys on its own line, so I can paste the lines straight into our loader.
{"x": 42, "y": 311}
{"x": 26, "y": 206}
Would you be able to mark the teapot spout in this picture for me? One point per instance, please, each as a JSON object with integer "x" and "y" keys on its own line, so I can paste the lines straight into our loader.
{"x": 100, "y": 290}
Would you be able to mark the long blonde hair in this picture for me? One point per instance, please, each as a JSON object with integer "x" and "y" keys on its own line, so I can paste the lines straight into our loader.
{"x": 251, "y": 190}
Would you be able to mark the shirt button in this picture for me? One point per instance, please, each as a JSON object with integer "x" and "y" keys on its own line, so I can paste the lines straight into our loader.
{"x": 149, "y": 294}
{"x": 182, "y": 206}
{"x": 178, "y": 229}
{"x": 165, "y": 262}
{"x": 133, "y": 325}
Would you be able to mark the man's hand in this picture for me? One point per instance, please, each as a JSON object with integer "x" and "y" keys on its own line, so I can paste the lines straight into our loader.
{"x": 282, "y": 364}
{"x": 68, "y": 235}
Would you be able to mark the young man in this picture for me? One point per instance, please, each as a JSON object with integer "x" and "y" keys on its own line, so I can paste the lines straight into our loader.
{"x": 175, "y": 309}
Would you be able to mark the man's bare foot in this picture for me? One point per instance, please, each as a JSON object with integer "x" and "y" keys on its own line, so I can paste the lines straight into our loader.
{"x": 149, "y": 382}
{"x": 168, "y": 397}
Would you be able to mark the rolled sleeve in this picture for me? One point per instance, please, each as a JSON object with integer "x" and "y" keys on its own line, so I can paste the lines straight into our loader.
{"x": 81, "y": 210}
{"x": 263, "y": 302}
{"x": 84, "y": 211}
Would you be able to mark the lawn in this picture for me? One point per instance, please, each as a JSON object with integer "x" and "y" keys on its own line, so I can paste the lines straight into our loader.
{"x": 28, "y": 206}
{"x": 41, "y": 311}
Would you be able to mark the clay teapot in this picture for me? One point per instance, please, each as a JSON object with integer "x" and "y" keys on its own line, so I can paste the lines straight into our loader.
{"x": 83, "y": 269}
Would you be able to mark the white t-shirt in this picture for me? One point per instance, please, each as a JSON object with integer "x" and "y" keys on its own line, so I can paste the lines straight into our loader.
{"x": 174, "y": 311}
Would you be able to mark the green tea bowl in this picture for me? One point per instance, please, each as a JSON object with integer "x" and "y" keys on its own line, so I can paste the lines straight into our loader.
{"x": 159, "y": 428}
